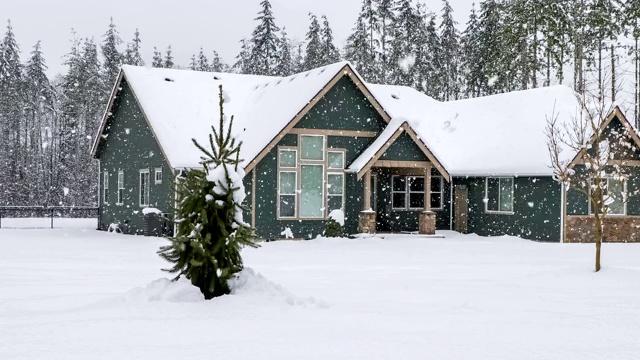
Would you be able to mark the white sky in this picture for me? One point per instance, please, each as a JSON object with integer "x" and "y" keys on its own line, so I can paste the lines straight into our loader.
{"x": 185, "y": 24}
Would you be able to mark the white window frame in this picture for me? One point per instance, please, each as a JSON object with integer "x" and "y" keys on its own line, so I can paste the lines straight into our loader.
{"x": 441, "y": 192}
{"x": 148, "y": 194}
{"x": 341, "y": 195}
{"x": 323, "y": 187}
{"x": 120, "y": 193}
{"x": 335, "y": 151}
{"x": 486, "y": 195}
{"x": 157, "y": 171}
{"x": 324, "y": 148}
{"x": 288, "y": 169}
{"x": 626, "y": 195}
{"x": 105, "y": 186}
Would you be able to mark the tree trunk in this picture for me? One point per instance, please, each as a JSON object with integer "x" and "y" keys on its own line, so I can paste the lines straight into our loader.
{"x": 598, "y": 239}
{"x": 613, "y": 73}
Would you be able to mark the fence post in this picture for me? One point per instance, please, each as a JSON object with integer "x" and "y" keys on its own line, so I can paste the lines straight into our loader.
{"x": 52, "y": 218}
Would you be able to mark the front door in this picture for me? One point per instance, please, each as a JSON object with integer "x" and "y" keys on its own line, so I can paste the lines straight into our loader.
{"x": 461, "y": 199}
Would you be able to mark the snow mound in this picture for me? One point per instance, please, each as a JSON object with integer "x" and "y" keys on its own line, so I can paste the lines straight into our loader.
{"x": 250, "y": 283}
{"x": 165, "y": 290}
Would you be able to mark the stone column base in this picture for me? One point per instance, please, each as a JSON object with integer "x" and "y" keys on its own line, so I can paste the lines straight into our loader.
{"x": 367, "y": 222}
{"x": 427, "y": 223}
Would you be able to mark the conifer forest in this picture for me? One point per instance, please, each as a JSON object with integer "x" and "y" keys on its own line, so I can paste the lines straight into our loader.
{"x": 48, "y": 124}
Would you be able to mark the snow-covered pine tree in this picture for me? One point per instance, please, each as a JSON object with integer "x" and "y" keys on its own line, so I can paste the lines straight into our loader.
{"x": 603, "y": 21}
{"x": 386, "y": 18}
{"x": 112, "y": 56}
{"x": 313, "y": 56}
{"x": 285, "y": 64}
{"x": 11, "y": 120}
{"x": 358, "y": 51}
{"x": 297, "y": 56}
{"x": 472, "y": 61}
{"x": 193, "y": 64}
{"x": 217, "y": 65}
{"x": 244, "y": 64}
{"x": 428, "y": 57}
{"x": 555, "y": 28}
{"x": 489, "y": 28}
{"x": 132, "y": 55}
{"x": 211, "y": 231}
{"x": 371, "y": 23}
{"x": 168, "y": 58}
{"x": 202, "y": 63}
{"x": 632, "y": 21}
{"x": 404, "y": 44}
{"x": 157, "y": 58}
{"x": 265, "y": 42}
{"x": 329, "y": 50}
{"x": 40, "y": 99}
{"x": 450, "y": 45}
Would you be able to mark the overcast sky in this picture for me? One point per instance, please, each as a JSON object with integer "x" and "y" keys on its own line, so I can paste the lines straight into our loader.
{"x": 185, "y": 24}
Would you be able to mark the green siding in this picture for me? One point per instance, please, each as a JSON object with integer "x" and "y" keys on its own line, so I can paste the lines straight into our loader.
{"x": 404, "y": 148}
{"x": 131, "y": 150}
{"x": 344, "y": 107}
{"x": 537, "y": 209}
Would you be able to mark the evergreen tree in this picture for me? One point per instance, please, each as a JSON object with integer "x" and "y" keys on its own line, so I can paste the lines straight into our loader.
{"x": 449, "y": 43}
{"x": 112, "y": 57}
{"x": 265, "y": 42}
{"x": 386, "y": 17}
{"x": 429, "y": 58}
{"x": 243, "y": 64}
{"x": 40, "y": 99}
{"x": 11, "y": 120}
{"x": 329, "y": 50}
{"x": 168, "y": 58}
{"x": 157, "y": 58}
{"x": 217, "y": 65}
{"x": 297, "y": 56}
{"x": 206, "y": 249}
{"x": 285, "y": 63}
{"x": 314, "y": 56}
{"x": 471, "y": 56}
{"x": 132, "y": 54}
{"x": 202, "y": 62}
{"x": 603, "y": 22}
{"x": 404, "y": 44}
{"x": 359, "y": 52}
{"x": 193, "y": 65}
{"x": 489, "y": 28}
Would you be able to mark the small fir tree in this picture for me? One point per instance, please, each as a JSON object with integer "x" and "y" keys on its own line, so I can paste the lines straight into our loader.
{"x": 211, "y": 232}
{"x": 332, "y": 228}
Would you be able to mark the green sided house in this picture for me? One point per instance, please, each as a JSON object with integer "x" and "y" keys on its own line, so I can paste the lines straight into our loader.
{"x": 389, "y": 157}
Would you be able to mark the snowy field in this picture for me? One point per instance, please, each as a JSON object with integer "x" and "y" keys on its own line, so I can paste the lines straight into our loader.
{"x": 81, "y": 294}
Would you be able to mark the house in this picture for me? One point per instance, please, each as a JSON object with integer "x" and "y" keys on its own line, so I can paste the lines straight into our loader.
{"x": 391, "y": 158}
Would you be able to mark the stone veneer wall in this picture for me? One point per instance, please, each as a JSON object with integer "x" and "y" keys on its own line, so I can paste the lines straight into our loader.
{"x": 579, "y": 228}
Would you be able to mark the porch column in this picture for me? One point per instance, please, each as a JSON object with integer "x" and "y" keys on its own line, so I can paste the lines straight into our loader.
{"x": 367, "y": 191}
{"x": 427, "y": 188}
{"x": 427, "y": 221}
{"x": 367, "y": 217}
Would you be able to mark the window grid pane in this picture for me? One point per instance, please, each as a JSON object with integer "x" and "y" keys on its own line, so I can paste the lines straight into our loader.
{"x": 312, "y": 147}
{"x": 615, "y": 189}
{"x": 336, "y": 160}
{"x": 288, "y": 158}
{"x": 334, "y": 184}
{"x": 311, "y": 194}
{"x": 287, "y": 183}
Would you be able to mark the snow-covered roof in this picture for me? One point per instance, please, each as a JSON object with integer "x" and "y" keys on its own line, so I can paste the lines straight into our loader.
{"x": 493, "y": 135}
{"x": 182, "y": 104}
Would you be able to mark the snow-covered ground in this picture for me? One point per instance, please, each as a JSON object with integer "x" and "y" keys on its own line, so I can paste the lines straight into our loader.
{"x": 82, "y": 294}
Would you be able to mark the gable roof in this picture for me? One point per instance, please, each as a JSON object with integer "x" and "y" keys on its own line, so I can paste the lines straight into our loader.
{"x": 501, "y": 135}
{"x": 181, "y": 104}
{"x": 388, "y": 136}
{"x": 616, "y": 113}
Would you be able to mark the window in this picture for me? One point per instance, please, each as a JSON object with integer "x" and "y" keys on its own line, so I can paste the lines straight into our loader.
{"x": 499, "y": 195}
{"x": 105, "y": 186}
{"x": 287, "y": 195}
{"x": 407, "y": 192}
{"x": 312, "y": 147}
{"x": 310, "y": 179}
{"x": 436, "y": 192}
{"x": 311, "y": 194}
{"x": 158, "y": 174}
{"x": 287, "y": 182}
{"x": 614, "y": 197}
{"x": 120, "y": 187}
{"x": 144, "y": 187}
